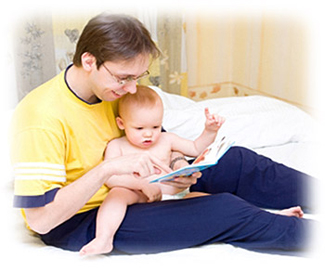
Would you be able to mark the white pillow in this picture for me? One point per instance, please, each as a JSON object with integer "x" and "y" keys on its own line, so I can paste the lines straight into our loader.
{"x": 253, "y": 121}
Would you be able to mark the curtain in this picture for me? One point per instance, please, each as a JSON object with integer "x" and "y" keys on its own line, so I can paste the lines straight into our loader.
{"x": 203, "y": 55}
{"x": 46, "y": 45}
{"x": 238, "y": 55}
{"x": 33, "y": 54}
{"x": 170, "y": 72}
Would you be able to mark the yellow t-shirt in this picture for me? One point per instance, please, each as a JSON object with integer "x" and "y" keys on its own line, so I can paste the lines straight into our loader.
{"x": 57, "y": 138}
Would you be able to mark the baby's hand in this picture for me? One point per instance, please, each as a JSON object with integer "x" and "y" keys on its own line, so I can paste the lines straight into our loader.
{"x": 213, "y": 121}
{"x": 153, "y": 192}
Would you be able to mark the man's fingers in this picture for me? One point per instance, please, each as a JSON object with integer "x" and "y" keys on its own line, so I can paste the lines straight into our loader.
{"x": 184, "y": 182}
{"x": 147, "y": 164}
{"x": 197, "y": 175}
{"x": 158, "y": 164}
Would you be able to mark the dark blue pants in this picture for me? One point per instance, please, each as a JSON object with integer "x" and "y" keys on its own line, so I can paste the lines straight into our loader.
{"x": 241, "y": 182}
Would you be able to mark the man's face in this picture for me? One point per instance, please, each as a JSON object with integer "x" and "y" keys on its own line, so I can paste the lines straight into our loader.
{"x": 106, "y": 80}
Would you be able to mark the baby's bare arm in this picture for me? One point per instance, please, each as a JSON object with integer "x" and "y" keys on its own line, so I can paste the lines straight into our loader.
{"x": 194, "y": 148}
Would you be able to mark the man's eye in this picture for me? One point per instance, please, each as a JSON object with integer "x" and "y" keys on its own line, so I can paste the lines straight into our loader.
{"x": 128, "y": 78}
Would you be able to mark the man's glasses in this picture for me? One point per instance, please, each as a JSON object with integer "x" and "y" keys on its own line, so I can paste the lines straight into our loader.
{"x": 127, "y": 79}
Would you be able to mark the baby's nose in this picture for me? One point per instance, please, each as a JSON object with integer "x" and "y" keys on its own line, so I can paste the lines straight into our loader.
{"x": 148, "y": 133}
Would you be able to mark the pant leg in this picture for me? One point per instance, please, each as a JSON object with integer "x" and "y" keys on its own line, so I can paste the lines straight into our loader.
{"x": 178, "y": 224}
{"x": 258, "y": 180}
{"x": 171, "y": 225}
{"x": 74, "y": 233}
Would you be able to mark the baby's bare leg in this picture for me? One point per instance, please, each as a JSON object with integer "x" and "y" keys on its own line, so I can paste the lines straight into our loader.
{"x": 110, "y": 216}
{"x": 195, "y": 194}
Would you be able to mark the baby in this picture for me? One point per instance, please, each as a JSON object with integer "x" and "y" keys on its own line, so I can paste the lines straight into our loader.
{"x": 140, "y": 116}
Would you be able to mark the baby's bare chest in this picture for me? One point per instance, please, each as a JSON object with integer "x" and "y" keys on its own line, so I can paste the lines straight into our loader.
{"x": 161, "y": 150}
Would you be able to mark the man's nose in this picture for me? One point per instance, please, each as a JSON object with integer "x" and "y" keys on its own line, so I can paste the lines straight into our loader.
{"x": 130, "y": 87}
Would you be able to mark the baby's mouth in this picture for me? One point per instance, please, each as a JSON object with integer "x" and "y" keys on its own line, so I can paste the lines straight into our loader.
{"x": 147, "y": 142}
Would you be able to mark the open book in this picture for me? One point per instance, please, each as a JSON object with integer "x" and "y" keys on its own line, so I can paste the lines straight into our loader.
{"x": 209, "y": 157}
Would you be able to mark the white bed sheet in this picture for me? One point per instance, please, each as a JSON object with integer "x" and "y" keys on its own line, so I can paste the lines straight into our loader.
{"x": 271, "y": 127}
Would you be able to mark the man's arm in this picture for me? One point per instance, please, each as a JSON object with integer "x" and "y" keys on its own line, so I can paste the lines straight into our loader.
{"x": 70, "y": 199}
{"x": 67, "y": 202}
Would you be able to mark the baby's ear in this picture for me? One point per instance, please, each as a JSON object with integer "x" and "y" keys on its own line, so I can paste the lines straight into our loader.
{"x": 120, "y": 123}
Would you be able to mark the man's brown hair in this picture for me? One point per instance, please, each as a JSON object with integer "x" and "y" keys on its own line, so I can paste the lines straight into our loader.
{"x": 114, "y": 37}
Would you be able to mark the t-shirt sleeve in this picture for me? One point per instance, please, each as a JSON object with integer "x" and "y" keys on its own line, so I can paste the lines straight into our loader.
{"x": 39, "y": 169}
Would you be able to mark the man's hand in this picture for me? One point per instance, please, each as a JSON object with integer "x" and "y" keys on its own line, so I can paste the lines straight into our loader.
{"x": 140, "y": 165}
{"x": 183, "y": 182}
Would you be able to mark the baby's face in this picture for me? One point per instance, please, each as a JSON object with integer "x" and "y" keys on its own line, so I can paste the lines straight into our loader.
{"x": 143, "y": 126}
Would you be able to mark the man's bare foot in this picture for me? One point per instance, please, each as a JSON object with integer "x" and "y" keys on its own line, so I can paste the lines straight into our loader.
{"x": 97, "y": 246}
{"x": 294, "y": 211}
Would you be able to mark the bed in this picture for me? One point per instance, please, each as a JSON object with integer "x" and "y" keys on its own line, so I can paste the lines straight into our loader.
{"x": 269, "y": 126}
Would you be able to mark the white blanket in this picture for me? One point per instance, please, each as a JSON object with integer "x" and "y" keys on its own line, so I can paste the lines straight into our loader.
{"x": 269, "y": 126}
{"x": 253, "y": 121}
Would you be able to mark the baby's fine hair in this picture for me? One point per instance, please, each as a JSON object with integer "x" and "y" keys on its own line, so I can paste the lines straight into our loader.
{"x": 144, "y": 97}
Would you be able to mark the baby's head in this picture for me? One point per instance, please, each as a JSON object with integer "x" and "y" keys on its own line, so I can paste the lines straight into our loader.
{"x": 140, "y": 116}
{"x": 145, "y": 97}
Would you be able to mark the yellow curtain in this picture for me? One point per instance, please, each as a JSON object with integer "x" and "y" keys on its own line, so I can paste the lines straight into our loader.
{"x": 230, "y": 55}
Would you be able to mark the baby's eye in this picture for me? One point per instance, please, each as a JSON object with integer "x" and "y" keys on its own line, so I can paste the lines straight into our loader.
{"x": 139, "y": 128}
{"x": 156, "y": 127}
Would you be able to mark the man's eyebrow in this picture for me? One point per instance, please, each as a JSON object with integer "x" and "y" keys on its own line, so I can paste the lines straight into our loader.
{"x": 129, "y": 75}
{"x": 125, "y": 75}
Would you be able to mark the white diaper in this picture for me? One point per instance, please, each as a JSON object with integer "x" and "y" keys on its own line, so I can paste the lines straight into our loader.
{"x": 176, "y": 196}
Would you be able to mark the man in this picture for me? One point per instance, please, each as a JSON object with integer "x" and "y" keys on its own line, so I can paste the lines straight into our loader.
{"x": 60, "y": 133}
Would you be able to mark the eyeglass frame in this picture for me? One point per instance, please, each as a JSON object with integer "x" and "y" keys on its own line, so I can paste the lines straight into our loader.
{"x": 128, "y": 78}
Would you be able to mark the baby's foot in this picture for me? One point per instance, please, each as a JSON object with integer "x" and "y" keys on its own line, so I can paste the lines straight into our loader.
{"x": 97, "y": 246}
{"x": 294, "y": 211}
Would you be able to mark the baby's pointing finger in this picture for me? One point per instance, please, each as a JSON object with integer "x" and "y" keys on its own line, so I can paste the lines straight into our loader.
{"x": 206, "y": 112}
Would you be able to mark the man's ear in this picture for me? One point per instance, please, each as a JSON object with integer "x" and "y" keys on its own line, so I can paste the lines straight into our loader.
{"x": 88, "y": 61}
{"x": 120, "y": 123}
